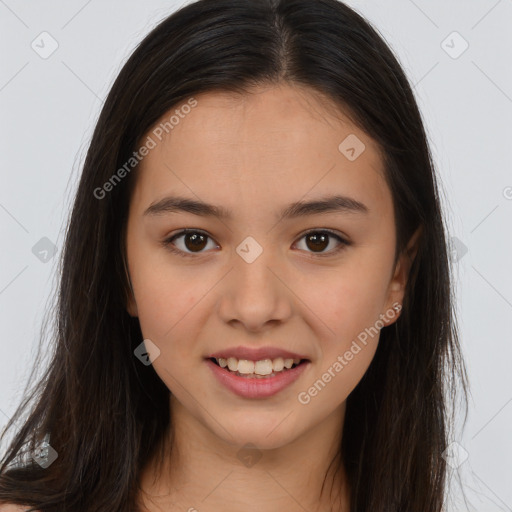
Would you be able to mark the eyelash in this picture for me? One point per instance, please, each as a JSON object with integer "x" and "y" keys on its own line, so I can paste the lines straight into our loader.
{"x": 167, "y": 243}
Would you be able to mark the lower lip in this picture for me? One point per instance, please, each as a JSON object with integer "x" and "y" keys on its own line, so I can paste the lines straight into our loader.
{"x": 254, "y": 387}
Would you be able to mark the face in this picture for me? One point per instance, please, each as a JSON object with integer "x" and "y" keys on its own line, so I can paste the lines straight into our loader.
{"x": 314, "y": 282}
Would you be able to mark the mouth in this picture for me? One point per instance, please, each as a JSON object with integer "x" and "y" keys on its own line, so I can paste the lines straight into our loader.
{"x": 262, "y": 369}
{"x": 257, "y": 379}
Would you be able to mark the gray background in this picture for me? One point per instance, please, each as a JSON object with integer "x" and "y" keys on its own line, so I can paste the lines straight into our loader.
{"x": 49, "y": 106}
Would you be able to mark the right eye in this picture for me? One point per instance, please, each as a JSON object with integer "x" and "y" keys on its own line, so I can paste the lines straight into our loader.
{"x": 192, "y": 239}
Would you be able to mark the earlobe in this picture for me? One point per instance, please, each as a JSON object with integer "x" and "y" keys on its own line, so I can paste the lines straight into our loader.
{"x": 395, "y": 295}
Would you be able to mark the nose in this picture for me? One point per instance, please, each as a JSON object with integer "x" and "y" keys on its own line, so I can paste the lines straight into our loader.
{"x": 255, "y": 295}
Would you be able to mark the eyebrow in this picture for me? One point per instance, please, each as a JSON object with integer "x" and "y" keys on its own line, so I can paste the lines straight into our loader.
{"x": 334, "y": 203}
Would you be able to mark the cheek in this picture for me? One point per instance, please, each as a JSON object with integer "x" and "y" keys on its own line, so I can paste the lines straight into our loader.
{"x": 347, "y": 299}
{"x": 166, "y": 298}
{"x": 337, "y": 378}
{"x": 166, "y": 307}
{"x": 349, "y": 304}
{"x": 166, "y": 315}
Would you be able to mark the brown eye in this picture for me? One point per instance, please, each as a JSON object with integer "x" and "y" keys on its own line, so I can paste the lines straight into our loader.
{"x": 318, "y": 241}
{"x": 193, "y": 242}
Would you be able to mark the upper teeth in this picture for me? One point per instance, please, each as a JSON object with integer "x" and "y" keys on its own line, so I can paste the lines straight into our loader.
{"x": 263, "y": 367}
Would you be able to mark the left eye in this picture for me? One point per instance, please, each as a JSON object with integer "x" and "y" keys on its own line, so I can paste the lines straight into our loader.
{"x": 195, "y": 241}
{"x": 319, "y": 239}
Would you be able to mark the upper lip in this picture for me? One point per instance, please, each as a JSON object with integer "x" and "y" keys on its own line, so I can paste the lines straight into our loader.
{"x": 256, "y": 354}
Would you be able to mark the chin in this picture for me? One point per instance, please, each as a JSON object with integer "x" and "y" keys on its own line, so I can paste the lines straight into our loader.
{"x": 265, "y": 433}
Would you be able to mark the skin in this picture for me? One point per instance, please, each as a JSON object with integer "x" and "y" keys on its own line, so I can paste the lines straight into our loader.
{"x": 254, "y": 154}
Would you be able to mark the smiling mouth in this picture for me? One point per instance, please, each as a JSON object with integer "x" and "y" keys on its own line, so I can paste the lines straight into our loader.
{"x": 265, "y": 369}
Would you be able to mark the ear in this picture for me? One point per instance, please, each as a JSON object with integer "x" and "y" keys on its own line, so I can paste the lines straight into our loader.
{"x": 398, "y": 283}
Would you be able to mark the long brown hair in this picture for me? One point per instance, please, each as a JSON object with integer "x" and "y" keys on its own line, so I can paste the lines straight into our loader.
{"x": 105, "y": 413}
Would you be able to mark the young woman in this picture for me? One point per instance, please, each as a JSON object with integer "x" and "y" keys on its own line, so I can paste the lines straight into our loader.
{"x": 255, "y": 310}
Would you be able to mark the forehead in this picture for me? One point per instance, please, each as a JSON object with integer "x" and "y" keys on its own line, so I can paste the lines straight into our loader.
{"x": 284, "y": 141}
